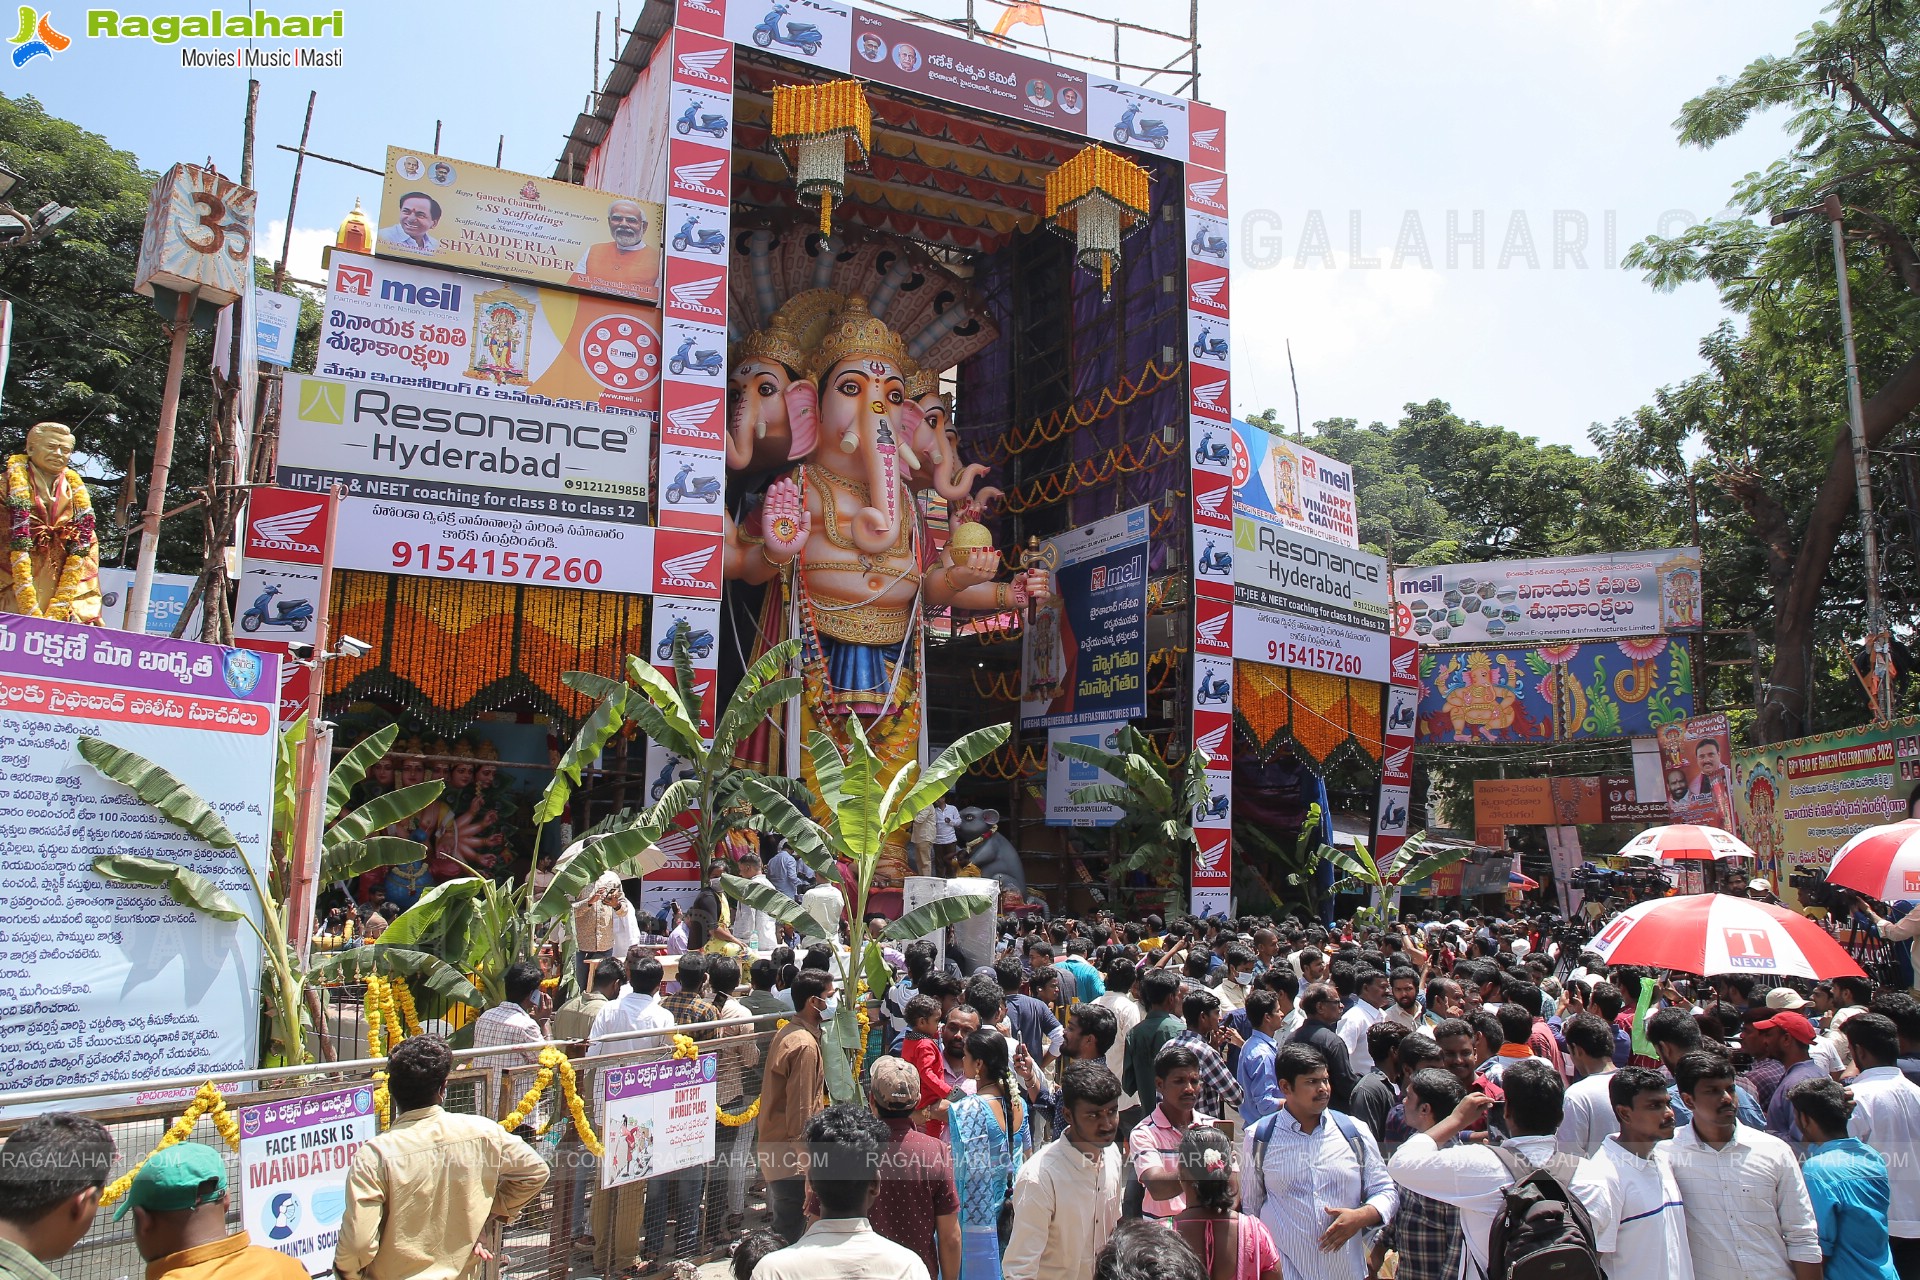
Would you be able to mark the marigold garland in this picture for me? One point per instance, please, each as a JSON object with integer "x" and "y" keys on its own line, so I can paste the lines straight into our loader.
{"x": 733, "y": 1120}
{"x": 206, "y": 1101}
{"x": 80, "y": 541}
{"x": 684, "y": 1047}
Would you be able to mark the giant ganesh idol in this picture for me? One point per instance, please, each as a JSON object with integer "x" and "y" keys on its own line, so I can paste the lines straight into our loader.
{"x": 840, "y": 542}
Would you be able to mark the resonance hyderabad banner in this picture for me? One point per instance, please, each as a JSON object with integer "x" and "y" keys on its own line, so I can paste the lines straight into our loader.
{"x": 101, "y": 982}
{"x": 1301, "y": 601}
{"x": 460, "y": 214}
{"x": 1629, "y": 593}
{"x": 1797, "y": 802}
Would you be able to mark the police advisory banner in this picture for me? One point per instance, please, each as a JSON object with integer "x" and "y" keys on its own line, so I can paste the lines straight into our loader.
{"x": 656, "y": 1117}
{"x": 294, "y": 1157}
{"x": 1084, "y": 658}
{"x": 438, "y": 330}
{"x": 1797, "y": 802}
{"x": 461, "y": 214}
{"x": 1619, "y": 595}
{"x": 104, "y": 982}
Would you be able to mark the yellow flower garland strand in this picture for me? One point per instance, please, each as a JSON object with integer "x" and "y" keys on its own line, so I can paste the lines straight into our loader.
{"x": 376, "y": 1048}
{"x": 403, "y": 995}
{"x": 207, "y": 1101}
{"x": 19, "y": 499}
{"x": 570, "y": 1091}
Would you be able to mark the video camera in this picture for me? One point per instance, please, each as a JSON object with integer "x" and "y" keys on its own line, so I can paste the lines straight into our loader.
{"x": 1816, "y": 892}
{"x": 1600, "y": 881}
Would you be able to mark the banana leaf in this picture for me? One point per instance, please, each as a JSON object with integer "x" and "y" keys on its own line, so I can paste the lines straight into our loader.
{"x": 357, "y": 964}
{"x": 744, "y": 713}
{"x": 940, "y": 774}
{"x": 353, "y": 767}
{"x": 188, "y": 888}
{"x": 874, "y": 967}
{"x": 1359, "y": 868}
{"x": 681, "y": 734}
{"x": 782, "y": 816}
{"x": 935, "y": 916}
{"x": 286, "y": 777}
{"x": 858, "y": 812}
{"x": 433, "y": 911}
{"x": 170, "y": 797}
{"x": 764, "y": 897}
{"x": 828, "y": 769}
{"x": 612, "y": 851}
{"x": 840, "y": 1045}
{"x": 381, "y": 812}
{"x": 604, "y": 721}
{"x": 586, "y": 683}
{"x": 357, "y": 857}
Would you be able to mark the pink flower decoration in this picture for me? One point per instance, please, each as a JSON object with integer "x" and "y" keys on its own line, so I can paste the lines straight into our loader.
{"x": 1558, "y": 653}
{"x": 1644, "y": 650}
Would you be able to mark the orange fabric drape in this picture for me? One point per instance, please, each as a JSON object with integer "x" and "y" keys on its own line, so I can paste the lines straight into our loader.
{"x": 449, "y": 651}
{"x": 1321, "y": 716}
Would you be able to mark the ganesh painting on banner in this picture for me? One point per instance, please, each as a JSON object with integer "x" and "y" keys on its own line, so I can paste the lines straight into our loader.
{"x": 836, "y": 397}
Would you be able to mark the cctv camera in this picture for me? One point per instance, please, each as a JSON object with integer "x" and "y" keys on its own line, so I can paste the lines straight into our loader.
{"x": 354, "y": 648}
{"x": 300, "y": 652}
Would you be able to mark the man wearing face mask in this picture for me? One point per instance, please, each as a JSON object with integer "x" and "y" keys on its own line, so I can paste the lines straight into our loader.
{"x": 790, "y": 1094}
{"x": 1239, "y": 980}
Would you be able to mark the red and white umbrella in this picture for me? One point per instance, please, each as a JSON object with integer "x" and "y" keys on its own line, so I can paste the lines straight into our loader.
{"x": 1881, "y": 862}
{"x": 1683, "y": 841}
{"x": 1712, "y": 934}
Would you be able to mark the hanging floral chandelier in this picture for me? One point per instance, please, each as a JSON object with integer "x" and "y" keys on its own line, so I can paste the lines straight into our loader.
{"x": 819, "y": 130}
{"x": 1098, "y": 197}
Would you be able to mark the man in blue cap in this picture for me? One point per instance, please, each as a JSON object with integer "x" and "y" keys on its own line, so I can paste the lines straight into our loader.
{"x": 179, "y": 1205}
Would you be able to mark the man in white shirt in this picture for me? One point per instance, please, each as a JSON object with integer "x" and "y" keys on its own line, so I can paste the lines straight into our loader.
{"x": 1748, "y": 1213}
{"x": 946, "y": 839}
{"x": 1403, "y": 985}
{"x": 511, "y": 1021}
{"x": 637, "y": 1009}
{"x": 1368, "y": 1009}
{"x": 1627, "y": 1188}
{"x": 754, "y": 927}
{"x": 1066, "y": 1198}
{"x": 1886, "y": 1116}
{"x": 1118, "y": 997}
{"x": 1474, "y": 1178}
{"x": 846, "y": 1146}
{"x": 1588, "y": 1117}
{"x": 1314, "y": 1177}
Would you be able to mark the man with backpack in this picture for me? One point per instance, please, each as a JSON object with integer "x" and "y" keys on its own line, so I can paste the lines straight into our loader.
{"x": 1314, "y": 1176}
{"x": 1519, "y": 1219}
{"x": 1748, "y": 1213}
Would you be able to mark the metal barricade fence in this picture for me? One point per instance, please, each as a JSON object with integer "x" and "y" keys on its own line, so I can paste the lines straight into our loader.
{"x": 541, "y": 1242}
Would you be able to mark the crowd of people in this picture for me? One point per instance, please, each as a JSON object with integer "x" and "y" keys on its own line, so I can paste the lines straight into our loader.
{"x": 1448, "y": 1099}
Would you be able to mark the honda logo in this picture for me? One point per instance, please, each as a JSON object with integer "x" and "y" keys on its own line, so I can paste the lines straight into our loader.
{"x": 1209, "y": 393}
{"x": 1206, "y": 194}
{"x": 691, "y": 420}
{"x": 1210, "y": 743}
{"x": 1211, "y": 856}
{"x": 1211, "y": 502}
{"x": 693, "y": 570}
{"x": 1207, "y": 289}
{"x": 694, "y": 295}
{"x": 1212, "y": 629}
{"x": 278, "y": 532}
{"x": 702, "y": 64}
{"x": 696, "y": 177}
{"x": 1403, "y": 664}
{"x": 1207, "y": 139}
{"x": 1398, "y": 762}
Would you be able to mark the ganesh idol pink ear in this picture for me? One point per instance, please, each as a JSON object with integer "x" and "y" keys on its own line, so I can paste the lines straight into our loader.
{"x": 803, "y": 418}
{"x": 913, "y": 422}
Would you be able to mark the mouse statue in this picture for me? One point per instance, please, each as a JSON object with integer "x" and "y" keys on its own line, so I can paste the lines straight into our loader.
{"x": 990, "y": 851}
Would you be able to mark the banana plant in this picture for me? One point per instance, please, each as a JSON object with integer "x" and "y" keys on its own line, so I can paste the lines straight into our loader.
{"x": 1156, "y": 801}
{"x": 864, "y": 809}
{"x": 668, "y": 713}
{"x": 1295, "y": 860}
{"x": 349, "y": 847}
{"x": 1382, "y": 878}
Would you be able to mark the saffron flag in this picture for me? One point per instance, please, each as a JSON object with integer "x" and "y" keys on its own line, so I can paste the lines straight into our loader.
{"x": 1017, "y": 14}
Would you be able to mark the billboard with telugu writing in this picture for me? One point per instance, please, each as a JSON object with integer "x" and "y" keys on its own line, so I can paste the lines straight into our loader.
{"x": 1628, "y": 593}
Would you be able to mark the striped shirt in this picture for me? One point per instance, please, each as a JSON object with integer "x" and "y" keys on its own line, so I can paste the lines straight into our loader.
{"x": 1639, "y": 1222}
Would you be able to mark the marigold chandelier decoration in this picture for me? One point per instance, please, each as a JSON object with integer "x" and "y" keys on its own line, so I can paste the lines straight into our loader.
{"x": 820, "y": 130}
{"x": 1098, "y": 197}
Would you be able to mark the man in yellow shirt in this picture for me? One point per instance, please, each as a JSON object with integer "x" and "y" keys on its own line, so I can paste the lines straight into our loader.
{"x": 430, "y": 1194}
{"x": 179, "y": 1205}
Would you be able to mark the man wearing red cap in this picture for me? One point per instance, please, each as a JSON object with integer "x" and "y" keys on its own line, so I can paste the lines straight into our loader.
{"x": 1786, "y": 1038}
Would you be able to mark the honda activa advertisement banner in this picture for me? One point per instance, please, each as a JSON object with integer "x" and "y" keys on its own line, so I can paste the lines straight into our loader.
{"x": 1084, "y": 658}
{"x": 1630, "y": 593}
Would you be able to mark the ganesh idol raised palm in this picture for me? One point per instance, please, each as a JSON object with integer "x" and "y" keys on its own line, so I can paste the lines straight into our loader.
{"x": 842, "y": 536}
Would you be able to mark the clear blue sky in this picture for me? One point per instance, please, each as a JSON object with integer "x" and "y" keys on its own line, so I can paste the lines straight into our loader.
{"x": 1365, "y": 109}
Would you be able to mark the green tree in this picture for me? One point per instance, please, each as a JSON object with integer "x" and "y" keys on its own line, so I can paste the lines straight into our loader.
{"x": 1759, "y": 444}
{"x": 87, "y": 350}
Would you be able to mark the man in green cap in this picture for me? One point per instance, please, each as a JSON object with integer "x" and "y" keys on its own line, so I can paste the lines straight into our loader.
{"x": 51, "y": 1173}
{"x": 179, "y": 1204}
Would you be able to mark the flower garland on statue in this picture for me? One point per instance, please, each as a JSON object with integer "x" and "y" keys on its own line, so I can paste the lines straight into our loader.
{"x": 21, "y": 540}
{"x": 207, "y": 1101}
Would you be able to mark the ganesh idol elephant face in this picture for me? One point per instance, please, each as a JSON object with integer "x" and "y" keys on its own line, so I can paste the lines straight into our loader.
{"x": 940, "y": 452}
{"x": 866, "y": 428}
{"x": 760, "y": 426}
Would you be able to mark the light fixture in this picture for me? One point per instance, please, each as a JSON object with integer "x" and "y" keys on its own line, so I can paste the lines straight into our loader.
{"x": 1097, "y": 197}
{"x": 7, "y": 180}
{"x": 820, "y": 130}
